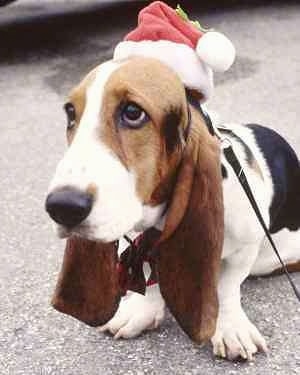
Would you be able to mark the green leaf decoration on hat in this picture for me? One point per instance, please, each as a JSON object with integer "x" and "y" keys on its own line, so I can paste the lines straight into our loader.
{"x": 182, "y": 14}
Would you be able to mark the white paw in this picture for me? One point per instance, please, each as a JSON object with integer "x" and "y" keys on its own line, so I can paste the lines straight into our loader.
{"x": 236, "y": 337}
{"x": 136, "y": 314}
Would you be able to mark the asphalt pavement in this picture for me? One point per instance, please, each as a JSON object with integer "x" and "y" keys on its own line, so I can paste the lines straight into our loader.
{"x": 45, "y": 48}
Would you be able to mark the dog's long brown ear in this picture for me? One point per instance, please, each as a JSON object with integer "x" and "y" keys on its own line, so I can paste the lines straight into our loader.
{"x": 88, "y": 284}
{"x": 189, "y": 250}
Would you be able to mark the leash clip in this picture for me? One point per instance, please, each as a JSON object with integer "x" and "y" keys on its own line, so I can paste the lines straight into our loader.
{"x": 225, "y": 142}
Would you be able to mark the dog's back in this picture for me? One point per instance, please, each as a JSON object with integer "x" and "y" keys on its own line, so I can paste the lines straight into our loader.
{"x": 267, "y": 151}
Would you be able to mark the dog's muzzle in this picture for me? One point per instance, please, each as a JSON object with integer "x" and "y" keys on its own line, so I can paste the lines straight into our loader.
{"x": 69, "y": 206}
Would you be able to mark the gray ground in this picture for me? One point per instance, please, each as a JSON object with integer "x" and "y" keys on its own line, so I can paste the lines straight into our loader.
{"x": 35, "y": 75}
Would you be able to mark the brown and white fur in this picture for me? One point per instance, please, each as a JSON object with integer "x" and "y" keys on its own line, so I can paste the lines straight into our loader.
{"x": 130, "y": 177}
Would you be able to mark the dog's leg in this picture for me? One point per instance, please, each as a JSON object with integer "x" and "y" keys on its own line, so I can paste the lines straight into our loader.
{"x": 288, "y": 245}
{"x": 235, "y": 335}
{"x": 137, "y": 313}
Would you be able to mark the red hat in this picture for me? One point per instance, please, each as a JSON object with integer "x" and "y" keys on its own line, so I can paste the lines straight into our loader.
{"x": 169, "y": 36}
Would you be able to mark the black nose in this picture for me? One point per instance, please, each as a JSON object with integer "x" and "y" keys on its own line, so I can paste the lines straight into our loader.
{"x": 68, "y": 206}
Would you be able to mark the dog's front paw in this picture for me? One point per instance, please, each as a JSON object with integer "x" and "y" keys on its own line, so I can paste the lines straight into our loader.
{"x": 236, "y": 337}
{"x": 136, "y": 314}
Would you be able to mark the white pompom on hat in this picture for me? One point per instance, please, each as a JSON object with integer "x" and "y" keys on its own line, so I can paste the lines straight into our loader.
{"x": 169, "y": 36}
{"x": 216, "y": 50}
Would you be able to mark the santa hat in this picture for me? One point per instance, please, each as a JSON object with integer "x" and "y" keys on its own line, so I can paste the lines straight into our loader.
{"x": 169, "y": 36}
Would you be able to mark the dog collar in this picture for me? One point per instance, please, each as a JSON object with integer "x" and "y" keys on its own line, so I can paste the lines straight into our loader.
{"x": 130, "y": 266}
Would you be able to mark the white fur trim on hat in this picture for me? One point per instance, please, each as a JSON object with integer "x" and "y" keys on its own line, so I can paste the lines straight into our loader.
{"x": 216, "y": 50}
{"x": 179, "y": 57}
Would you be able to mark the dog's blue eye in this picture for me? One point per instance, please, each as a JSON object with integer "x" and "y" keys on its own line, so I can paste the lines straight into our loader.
{"x": 71, "y": 115}
{"x": 133, "y": 116}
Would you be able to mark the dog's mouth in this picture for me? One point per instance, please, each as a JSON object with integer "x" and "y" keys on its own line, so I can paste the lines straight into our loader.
{"x": 103, "y": 220}
{"x": 93, "y": 232}
{"x": 82, "y": 231}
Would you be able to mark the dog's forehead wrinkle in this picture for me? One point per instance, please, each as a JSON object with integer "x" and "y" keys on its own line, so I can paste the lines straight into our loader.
{"x": 151, "y": 79}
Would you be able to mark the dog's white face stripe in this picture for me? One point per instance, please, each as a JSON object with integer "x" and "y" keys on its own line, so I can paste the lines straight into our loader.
{"x": 88, "y": 161}
{"x": 81, "y": 157}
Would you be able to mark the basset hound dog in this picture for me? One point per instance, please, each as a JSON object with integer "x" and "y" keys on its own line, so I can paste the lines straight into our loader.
{"x": 141, "y": 156}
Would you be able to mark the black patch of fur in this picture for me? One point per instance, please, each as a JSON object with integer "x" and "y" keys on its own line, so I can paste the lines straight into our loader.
{"x": 170, "y": 129}
{"x": 284, "y": 167}
{"x": 224, "y": 171}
